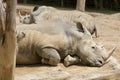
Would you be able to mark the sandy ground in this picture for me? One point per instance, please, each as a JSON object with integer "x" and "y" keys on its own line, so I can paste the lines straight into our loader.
{"x": 108, "y": 26}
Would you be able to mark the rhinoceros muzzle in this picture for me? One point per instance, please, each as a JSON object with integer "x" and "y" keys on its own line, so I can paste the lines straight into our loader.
{"x": 98, "y": 62}
{"x": 105, "y": 59}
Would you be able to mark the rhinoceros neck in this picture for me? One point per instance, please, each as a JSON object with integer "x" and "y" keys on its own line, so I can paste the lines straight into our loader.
{"x": 71, "y": 45}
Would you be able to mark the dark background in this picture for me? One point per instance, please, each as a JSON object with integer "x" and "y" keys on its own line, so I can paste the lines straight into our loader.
{"x": 101, "y": 4}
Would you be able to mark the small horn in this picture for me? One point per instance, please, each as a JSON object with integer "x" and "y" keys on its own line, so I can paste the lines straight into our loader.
{"x": 19, "y": 14}
{"x": 110, "y": 53}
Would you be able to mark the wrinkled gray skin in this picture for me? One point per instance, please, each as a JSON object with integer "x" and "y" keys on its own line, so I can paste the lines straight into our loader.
{"x": 49, "y": 13}
{"x": 65, "y": 40}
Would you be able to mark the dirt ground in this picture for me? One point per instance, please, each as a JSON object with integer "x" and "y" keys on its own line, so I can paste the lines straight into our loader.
{"x": 108, "y": 26}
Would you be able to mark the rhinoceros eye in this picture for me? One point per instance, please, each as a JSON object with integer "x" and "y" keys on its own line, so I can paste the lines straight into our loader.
{"x": 93, "y": 47}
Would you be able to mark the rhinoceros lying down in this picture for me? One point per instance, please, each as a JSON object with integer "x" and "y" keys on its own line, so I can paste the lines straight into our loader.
{"x": 49, "y": 13}
{"x": 51, "y": 48}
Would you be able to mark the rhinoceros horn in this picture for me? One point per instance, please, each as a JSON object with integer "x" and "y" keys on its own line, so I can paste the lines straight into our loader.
{"x": 19, "y": 14}
{"x": 109, "y": 54}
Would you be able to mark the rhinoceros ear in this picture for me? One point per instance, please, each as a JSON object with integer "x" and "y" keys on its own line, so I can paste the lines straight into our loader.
{"x": 35, "y": 8}
{"x": 80, "y": 27}
{"x": 83, "y": 29}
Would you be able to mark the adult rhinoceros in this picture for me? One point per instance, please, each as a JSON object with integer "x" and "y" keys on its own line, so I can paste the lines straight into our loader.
{"x": 49, "y": 13}
{"x": 52, "y": 47}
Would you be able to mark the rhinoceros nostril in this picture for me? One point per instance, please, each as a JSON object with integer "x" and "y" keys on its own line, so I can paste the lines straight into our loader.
{"x": 100, "y": 61}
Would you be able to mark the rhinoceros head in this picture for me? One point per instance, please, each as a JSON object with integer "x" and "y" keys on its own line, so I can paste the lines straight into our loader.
{"x": 27, "y": 19}
{"x": 90, "y": 53}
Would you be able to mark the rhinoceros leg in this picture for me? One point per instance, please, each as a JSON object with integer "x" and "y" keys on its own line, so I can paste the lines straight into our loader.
{"x": 50, "y": 56}
{"x": 69, "y": 60}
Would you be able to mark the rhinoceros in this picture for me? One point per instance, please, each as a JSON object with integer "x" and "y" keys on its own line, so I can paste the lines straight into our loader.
{"x": 52, "y": 47}
{"x": 47, "y": 13}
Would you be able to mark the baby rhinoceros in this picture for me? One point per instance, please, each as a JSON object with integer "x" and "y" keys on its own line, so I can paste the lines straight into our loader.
{"x": 46, "y": 48}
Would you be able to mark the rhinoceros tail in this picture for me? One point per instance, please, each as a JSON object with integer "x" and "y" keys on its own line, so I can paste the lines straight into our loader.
{"x": 94, "y": 31}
